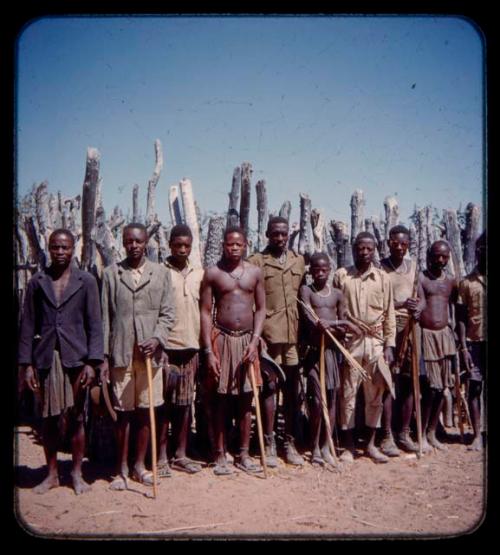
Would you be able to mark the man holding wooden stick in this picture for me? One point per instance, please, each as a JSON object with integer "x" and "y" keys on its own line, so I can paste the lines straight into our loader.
{"x": 370, "y": 305}
{"x": 471, "y": 312}
{"x": 402, "y": 273}
{"x": 138, "y": 313}
{"x": 231, "y": 339}
{"x": 283, "y": 271}
{"x": 328, "y": 304}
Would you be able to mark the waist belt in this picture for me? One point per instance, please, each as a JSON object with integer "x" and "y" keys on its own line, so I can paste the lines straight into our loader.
{"x": 232, "y": 333}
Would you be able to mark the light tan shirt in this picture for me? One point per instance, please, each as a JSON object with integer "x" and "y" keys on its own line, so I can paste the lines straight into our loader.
{"x": 185, "y": 333}
{"x": 472, "y": 294}
{"x": 369, "y": 298}
{"x": 402, "y": 280}
{"x": 137, "y": 274}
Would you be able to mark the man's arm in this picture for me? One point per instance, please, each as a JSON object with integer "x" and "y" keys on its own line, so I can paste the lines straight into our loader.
{"x": 389, "y": 324}
{"x": 93, "y": 323}
{"x": 26, "y": 333}
{"x": 106, "y": 325}
{"x": 462, "y": 316}
{"x": 251, "y": 352}
{"x": 206, "y": 302}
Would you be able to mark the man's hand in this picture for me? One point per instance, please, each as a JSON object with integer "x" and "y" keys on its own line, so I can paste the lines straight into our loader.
{"x": 323, "y": 325}
{"x": 149, "y": 346}
{"x": 31, "y": 378}
{"x": 104, "y": 371}
{"x": 412, "y": 305}
{"x": 87, "y": 376}
{"x": 469, "y": 363}
{"x": 213, "y": 365}
{"x": 389, "y": 356}
{"x": 349, "y": 326}
{"x": 251, "y": 353}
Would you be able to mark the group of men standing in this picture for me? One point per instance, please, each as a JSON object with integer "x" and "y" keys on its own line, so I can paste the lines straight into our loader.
{"x": 209, "y": 332}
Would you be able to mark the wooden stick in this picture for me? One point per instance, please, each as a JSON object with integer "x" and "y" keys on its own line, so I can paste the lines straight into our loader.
{"x": 350, "y": 359}
{"x": 415, "y": 374}
{"x": 152, "y": 423}
{"x": 458, "y": 397}
{"x": 322, "y": 381}
{"x": 258, "y": 418}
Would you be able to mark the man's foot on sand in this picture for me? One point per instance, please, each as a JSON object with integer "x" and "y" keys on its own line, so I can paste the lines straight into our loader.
{"x": 245, "y": 463}
{"x": 407, "y": 443}
{"x": 376, "y": 455}
{"x": 431, "y": 438}
{"x": 388, "y": 447}
{"x": 426, "y": 448}
{"x": 49, "y": 483}
{"x": 476, "y": 445}
{"x": 79, "y": 484}
{"x": 118, "y": 483}
{"x": 347, "y": 456}
{"x": 327, "y": 456}
{"x": 317, "y": 458}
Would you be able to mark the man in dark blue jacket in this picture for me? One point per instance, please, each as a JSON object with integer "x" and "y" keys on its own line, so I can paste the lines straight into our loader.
{"x": 60, "y": 344}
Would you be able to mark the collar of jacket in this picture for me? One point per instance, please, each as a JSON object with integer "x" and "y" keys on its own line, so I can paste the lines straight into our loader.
{"x": 271, "y": 260}
{"x": 74, "y": 283}
{"x": 370, "y": 272}
{"x": 168, "y": 264}
{"x": 124, "y": 271}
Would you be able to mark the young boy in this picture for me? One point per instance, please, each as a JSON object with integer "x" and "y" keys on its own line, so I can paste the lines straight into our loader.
{"x": 329, "y": 305}
{"x": 183, "y": 345}
{"x": 437, "y": 293}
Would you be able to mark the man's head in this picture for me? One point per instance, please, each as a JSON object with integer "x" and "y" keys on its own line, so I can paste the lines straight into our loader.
{"x": 481, "y": 252}
{"x": 363, "y": 248}
{"x": 320, "y": 268}
{"x": 398, "y": 242}
{"x": 135, "y": 239}
{"x": 180, "y": 242}
{"x": 277, "y": 233}
{"x": 234, "y": 244}
{"x": 438, "y": 255}
{"x": 61, "y": 247}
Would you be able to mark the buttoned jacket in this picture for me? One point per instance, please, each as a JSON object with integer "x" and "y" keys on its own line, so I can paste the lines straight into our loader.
{"x": 282, "y": 284}
{"x": 135, "y": 313}
{"x": 74, "y": 324}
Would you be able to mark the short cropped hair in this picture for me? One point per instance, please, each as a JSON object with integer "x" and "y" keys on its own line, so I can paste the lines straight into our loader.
{"x": 276, "y": 220}
{"x": 180, "y": 230}
{"x": 398, "y": 229}
{"x": 364, "y": 235}
{"x": 135, "y": 225}
{"x": 62, "y": 231}
{"x": 234, "y": 229}
{"x": 317, "y": 256}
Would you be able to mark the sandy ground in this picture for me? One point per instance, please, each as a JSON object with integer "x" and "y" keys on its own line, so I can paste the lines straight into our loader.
{"x": 442, "y": 494}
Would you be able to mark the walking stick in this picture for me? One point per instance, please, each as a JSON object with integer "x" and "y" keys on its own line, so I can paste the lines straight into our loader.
{"x": 152, "y": 423}
{"x": 258, "y": 418}
{"x": 459, "y": 399}
{"x": 322, "y": 381}
{"x": 416, "y": 386}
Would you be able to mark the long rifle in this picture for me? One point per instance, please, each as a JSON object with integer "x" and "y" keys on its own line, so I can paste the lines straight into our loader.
{"x": 350, "y": 359}
{"x": 410, "y": 329}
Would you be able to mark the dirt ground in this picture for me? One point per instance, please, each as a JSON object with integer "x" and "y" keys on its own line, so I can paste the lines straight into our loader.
{"x": 442, "y": 494}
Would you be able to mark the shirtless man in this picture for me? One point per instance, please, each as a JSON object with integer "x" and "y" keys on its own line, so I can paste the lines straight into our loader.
{"x": 60, "y": 345}
{"x": 401, "y": 272}
{"x": 231, "y": 341}
{"x": 471, "y": 312}
{"x": 329, "y": 305}
{"x": 437, "y": 293}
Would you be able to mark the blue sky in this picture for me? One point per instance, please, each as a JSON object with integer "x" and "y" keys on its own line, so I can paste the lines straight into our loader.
{"x": 317, "y": 105}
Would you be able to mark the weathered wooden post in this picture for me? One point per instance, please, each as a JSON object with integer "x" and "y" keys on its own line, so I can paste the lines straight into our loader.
{"x": 340, "y": 236}
{"x": 471, "y": 233}
{"x": 285, "y": 210}
{"x": 246, "y": 176}
{"x": 318, "y": 228}
{"x": 89, "y": 205}
{"x": 305, "y": 233}
{"x": 174, "y": 205}
{"x": 357, "y": 213}
{"x": 135, "y": 203}
{"x": 186, "y": 191}
{"x": 153, "y": 182}
{"x": 233, "y": 216}
{"x": 262, "y": 213}
{"x": 453, "y": 238}
{"x": 213, "y": 244}
{"x": 391, "y": 209}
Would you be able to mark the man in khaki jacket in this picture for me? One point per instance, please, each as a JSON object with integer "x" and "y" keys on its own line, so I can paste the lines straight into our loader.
{"x": 138, "y": 313}
{"x": 283, "y": 273}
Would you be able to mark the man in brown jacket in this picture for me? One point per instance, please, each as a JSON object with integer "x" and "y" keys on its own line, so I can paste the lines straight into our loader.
{"x": 283, "y": 273}
{"x": 138, "y": 313}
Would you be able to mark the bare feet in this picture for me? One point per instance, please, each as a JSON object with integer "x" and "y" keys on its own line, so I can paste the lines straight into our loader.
{"x": 431, "y": 437}
{"x": 376, "y": 455}
{"x": 52, "y": 481}
{"x": 327, "y": 456}
{"x": 119, "y": 483}
{"x": 79, "y": 484}
{"x": 426, "y": 448}
{"x": 476, "y": 445}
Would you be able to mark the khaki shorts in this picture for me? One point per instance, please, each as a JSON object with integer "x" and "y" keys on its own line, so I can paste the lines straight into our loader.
{"x": 130, "y": 385}
{"x": 285, "y": 354}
